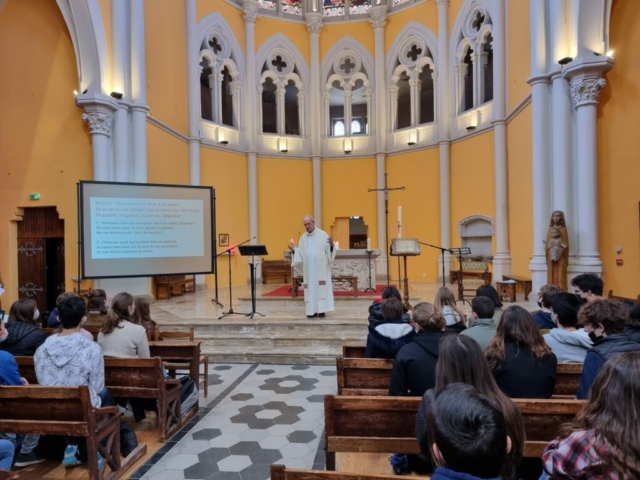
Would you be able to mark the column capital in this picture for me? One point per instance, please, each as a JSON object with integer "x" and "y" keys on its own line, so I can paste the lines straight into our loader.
{"x": 378, "y": 16}
{"x": 99, "y": 122}
{"x": 585, "y": 91}
{"x": 250, "y": 9}
{"x": 443, "y": 3}
{"x": 98, "y": 112}
{"x": 585, "y": 77}
{"x": 314, "y": 22}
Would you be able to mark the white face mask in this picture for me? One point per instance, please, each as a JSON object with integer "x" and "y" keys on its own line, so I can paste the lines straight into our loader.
{"x": 131, "y": 310}
{"x": 4, "y": 334}
{"x": 37, "y": 314}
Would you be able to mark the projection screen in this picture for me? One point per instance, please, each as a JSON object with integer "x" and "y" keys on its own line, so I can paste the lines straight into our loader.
{"x": 140, "y": 230}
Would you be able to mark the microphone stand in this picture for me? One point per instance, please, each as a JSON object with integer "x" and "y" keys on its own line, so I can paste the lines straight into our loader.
{"x": 442, "y": 250}
{"x": 231, "y": 312}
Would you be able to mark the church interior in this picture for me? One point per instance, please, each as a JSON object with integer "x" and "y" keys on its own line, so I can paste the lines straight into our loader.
{"x": 491, "y": 136}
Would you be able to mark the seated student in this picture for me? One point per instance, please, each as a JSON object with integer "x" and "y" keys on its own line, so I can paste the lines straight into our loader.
{"x": 568, "y": 342}
{"x": 6, "y": 454}
{"x": 603, "y": 441}
{"x": 461, "y": 361}
{"x": 522, "y": 363}
{"x": 446, "y": 303}
{"x": 375, "y": 312}
{"x": 468, "y": 435}
{"x": 10, "y": 375}
{"x": 632, "y": 328}
{"x": 120, "y": 337}
{"x": 25, "y": 336}
{"x": 588, "y": 286}
{"x": 543, "y": 316}
{"x": 490, "y": 292}
{"x": 97, "y": 307}
{"x": 142, "y": 316}
{"x": 482, "y": 325}
{"x": 54, "y": 314}
{"x": 604, "y": 321}
{"x": 387, "y": 337}
{"x": 414, "y": 367}
{"x": 69, "y": 359}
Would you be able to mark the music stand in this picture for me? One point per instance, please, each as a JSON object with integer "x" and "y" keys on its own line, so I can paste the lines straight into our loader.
{"x": 253, "y": 250}
{"x": 460, "y": 251}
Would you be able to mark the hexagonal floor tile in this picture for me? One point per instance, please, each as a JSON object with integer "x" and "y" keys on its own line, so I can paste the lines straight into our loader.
{"x": 234, "y": 463}
{"x": 260, "y": 423}
{"x": 286, "y": 419}
{"x": 181, "y": 461}
{"x": 253, "y": 435}
{"x": 213, "y": 455}
{"x": 316, "y": 398}
{"x": 225, "y": 476}
{"x": 206, "y": 434}
{"x": 301, "y": 437}
{"x": 222, "y": 367}
{"x": 300, "y": 367}
{"x": 224, "y": 441}
{"x": 251, "y": 409}
{"x": 280, "y": 430}
{"x": 289, "y": 383}
{"x": 241, "y": 396}
{"x": 200, "y": 470}
{"x": 328, "y": 373}
{"x": 265, "y": 456}
{"x": 244, "y": 448}
{"x": 256, "y": 472}
{"x": 265, "y": 372}
{"x": 268, "y": 414}
{"x": 289, "y": 410}
{"x": 274, "y": 441}
{"x": 274, "y": 405}
{"x": 295, "y": 450}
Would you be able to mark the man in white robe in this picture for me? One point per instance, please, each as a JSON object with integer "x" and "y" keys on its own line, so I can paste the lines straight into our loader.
{"x": 315, "y": 252}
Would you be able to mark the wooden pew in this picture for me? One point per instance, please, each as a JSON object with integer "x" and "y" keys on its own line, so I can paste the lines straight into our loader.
{"x": 372, "y": 376}
{"x": 280, "y": 472}
{"x": 611, "y": 296}
{"x": 387, "y": 424}
{"x": 92, "y": 330}
{"x": 353, "y": 349}
{"x": 68, "y": 411}
{"x": 136, "y": 378}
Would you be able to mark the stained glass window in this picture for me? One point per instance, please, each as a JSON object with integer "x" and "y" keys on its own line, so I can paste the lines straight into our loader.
{"x": 267, "y": 4}
{"x": 334, "y": 8}
{"x": 359, "y": 7}
{"x": 292, "y": 7}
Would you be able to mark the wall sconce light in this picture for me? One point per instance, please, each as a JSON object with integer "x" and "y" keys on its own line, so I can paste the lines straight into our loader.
{"x": 413, "y": 136}
{"x": 75, "y": 93}
{"x": 220, "y": 136}
{"x": 610, "y": 54}
{"x": 471, "y": 128}
{"x": 117, "y": 95}
{"x": 565, "y": 60}
{"x": 347, "y": 145}
{"x": 282, "y": 145}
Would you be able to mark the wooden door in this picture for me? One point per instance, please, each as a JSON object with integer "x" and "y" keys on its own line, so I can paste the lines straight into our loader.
{"x": 31, "y": 270}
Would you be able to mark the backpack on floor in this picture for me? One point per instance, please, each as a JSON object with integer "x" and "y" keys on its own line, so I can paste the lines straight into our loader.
{"x": 189, "y": 394}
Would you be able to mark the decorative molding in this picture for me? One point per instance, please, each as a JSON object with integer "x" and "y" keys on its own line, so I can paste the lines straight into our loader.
{"x": 519, "y": 108}
{"x": 585, "y": 91}
{"x": 166, "y": 128}
{"x": 314, "y": 22}
{"x": 443, "y": 2}
{"x": 378, "y": 16}
{"x": 99, "y": 122}
{"x": 473, "y": 218}
{"x": 251, "y": 10}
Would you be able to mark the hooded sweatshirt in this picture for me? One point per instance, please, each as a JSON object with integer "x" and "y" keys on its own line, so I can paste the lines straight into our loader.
{"x": 455, "y": 322}
{"x": 568, "y": 346}
{"x": 70, "y": 361}
{"x": 386, "y": 339}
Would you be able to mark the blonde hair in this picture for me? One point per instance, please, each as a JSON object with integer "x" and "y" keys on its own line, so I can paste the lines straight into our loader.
{"x": 445, "y": 298}
{"x": 428, "y": 317}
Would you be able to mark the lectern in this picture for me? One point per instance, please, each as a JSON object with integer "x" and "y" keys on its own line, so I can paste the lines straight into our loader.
{"x": 405, "y": 247}
{"x": 252, "y": 251}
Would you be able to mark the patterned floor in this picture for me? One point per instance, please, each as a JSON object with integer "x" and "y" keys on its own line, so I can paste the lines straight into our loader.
{"x": 257, "y": 415}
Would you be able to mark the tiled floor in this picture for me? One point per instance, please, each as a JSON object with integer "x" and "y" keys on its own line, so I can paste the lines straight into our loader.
{"x": 257, "y": 415}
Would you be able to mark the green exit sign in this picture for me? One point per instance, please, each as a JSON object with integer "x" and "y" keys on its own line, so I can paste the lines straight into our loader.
{"x": 34, "y": 196}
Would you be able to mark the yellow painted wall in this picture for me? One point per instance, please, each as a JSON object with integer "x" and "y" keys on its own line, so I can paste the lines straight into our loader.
{"x": 360, "y": 31}
{"x": 419, "y": 173}
{"x": 619, "y": 161}
{"x": 285, "y": 196}
{"x": 519, "y": 151}
{"x": 454, "y": 8}
{"x": 167, "y": 157}
{"x": 518, "y": 53}
{"x": 266, "y": 27}
{"x": 227, "y": 173}
{"x": 344, "y": 193}
{"x": 472, "y": 180}
{"x": 425, "y": 13}
{"x": 44, "y": 146}
{"x": 105, "y": 12}
{"x": 233, "y": 15}
{"x": 165, "y": 37}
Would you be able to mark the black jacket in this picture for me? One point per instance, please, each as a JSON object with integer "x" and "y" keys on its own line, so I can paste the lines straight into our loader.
{"x": 520, "y": 375}
{"x": 632, "y": 332}
{"x": 414, "y": 368}
{"x": 386, "y": 339}
{"x": 376, "y": 318}
{"x": 23, "y": 339}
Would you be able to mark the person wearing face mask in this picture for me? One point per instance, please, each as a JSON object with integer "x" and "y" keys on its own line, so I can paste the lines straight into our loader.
{"x": 604, "y": 320}
{"x": 545, "y": 297}
{"x": 588, "y": 287}
{"x": 482, "y": 325}
{"x": 568, "y": 342}
{"x": 24, "y": 335}
{"x": 120, "y": 337}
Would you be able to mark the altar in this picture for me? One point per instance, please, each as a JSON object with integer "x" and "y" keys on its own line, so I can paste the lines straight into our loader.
{"x": 354, "y": 262}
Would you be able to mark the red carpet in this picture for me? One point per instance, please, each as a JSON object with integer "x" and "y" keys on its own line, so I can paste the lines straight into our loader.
{"x": 285, "y": 291}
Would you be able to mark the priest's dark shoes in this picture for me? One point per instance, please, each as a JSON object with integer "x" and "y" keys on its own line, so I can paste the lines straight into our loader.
{"x": 321, "y": 315}
{"x": 314, "y": 315}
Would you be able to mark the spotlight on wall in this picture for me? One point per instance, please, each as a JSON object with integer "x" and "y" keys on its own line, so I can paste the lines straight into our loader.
{"x": 75, "y": 93}
{"x": 347, "y": 145}
{"x": 471, "y": 128}
{"x": 220, "y": 137}
{"x": 413, "y": 137}
{"x": 282, "y": 145}
{"x": 117, "y": 95}
{"x": 565, "y": 60}
{"x": 610, "y": 54}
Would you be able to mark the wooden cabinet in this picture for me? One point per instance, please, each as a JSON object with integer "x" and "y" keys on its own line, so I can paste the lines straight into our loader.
{"x": 169, "y": 285}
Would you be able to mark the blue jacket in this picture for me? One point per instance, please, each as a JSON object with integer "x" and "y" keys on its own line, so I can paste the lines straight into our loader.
{"x": 9, "y": 373}
{"x": 544, "y": 320}
{"x": 444, "y": 473}
{"x": 386, "y": 339}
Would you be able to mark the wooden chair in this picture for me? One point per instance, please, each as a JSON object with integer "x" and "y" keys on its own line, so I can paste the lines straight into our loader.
{"x": 354, "y": 349}
{"x": 475, "y": 273}
{"x": 7, "y": 475}
{"x": 173, "y": 367}
{"x": 280, "y": 472}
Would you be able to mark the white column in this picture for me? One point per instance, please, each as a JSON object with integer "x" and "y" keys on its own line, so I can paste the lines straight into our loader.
{"x": 250, "y": 16}
{"x": 214, "y": 91}
{"x": 100, "y": 123}
{"x": 443, "y": 117}
{"x": 120, "y": 82}
{"x": 314, "y": 25}
{"x": 539, "y": 82}
{"x": 378, "y": 21}
{"x": 585, "y": 75}
{"x": 347, "y": 109}
{"x": 502, "y": 257}
{"x": 139, "y": 108}
{"x": 280, "y": 91}
{"x": 193, "y": 92}
{"x": 414, "y": 94}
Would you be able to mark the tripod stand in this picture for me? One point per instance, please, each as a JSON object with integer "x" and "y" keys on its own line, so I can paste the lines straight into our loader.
{"x": 231, "y": 312}
{"x": 442, "y": 250}
{"x": 253, "y": 250}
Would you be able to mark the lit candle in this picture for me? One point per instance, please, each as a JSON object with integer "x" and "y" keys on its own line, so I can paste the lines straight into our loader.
{"x": 399, "y": 222}
{"x": 337, "y": 244}
{"x": 368, "y": 244}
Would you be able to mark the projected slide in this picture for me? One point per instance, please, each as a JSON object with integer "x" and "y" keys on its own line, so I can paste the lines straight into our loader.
{"x": 140, "y": 228}
{"x": 136, "y": 230}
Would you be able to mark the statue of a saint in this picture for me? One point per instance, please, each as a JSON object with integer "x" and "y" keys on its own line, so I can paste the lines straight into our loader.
{"x": 557, "y": 250}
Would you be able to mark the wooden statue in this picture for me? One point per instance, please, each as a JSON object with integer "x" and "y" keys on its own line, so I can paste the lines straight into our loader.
{"x": 557, "y": 250}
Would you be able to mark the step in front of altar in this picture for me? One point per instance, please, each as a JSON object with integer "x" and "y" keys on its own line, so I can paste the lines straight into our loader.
{"x": 343, "y": 305}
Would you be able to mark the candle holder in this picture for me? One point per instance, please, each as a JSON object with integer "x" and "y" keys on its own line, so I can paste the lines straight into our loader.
{"x": 370, "y": 288}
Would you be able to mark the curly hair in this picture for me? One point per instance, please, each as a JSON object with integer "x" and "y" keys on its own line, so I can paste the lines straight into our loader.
{"x": 608, "y": 313}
